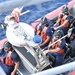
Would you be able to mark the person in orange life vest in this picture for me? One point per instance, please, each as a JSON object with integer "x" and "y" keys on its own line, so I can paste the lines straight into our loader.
{"x": 44, "y": 30}
{"x": 57, "y": 50}
{"x": 64, "y": 20}
{"x": 9, "y": 60}
{"x": 15, "y": 14}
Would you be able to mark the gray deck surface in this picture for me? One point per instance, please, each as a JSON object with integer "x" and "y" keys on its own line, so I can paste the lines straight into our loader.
{"x": 28, "y": 56}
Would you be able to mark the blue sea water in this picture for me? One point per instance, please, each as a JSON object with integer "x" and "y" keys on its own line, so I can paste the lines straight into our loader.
{"x": 36, "y": 11}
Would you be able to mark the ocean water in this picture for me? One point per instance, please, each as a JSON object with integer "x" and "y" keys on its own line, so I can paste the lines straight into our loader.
{"x": 36, "y": 11}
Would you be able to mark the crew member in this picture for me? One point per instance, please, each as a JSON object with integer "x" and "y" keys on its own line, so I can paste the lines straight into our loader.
{"x": 9, "y": 60}
{"x": 44, "y": 30}
{"x": 64, "y": 20}
{"x": 57, "y": 49}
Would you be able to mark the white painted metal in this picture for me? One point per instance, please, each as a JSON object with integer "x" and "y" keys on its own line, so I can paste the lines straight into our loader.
{"x": 58, "y": 70}
{"x": 16, "y": 33}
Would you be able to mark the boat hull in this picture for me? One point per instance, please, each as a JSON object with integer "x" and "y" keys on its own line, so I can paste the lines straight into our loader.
{"x": 52, "y": 15}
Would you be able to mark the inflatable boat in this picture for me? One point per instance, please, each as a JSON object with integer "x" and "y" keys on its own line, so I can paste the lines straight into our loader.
{"x": 32, "y": 59}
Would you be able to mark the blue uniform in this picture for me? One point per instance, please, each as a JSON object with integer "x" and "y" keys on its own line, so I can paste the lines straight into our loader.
{"x": 48, "y": 33}
{"x": 8, "y": 69}
{"x": 58, "y": 56}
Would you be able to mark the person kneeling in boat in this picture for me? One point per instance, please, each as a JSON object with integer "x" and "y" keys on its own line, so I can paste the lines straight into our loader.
{"x": 44, "y": 30}
{"x": 64, "y": 20}
{"x": 9, "y": 60}
{"x": 57, "y": 49}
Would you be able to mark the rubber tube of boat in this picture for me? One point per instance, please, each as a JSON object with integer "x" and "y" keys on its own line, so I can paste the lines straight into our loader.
{"x": 58, "y": 70}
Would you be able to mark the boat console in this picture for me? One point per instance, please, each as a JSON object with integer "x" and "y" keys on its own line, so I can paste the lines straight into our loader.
{"x": 32, "y": 58}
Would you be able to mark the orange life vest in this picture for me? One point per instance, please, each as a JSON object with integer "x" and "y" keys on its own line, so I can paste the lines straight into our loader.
{"x": 42, "y": 32}
{"x": 61, "y": 51}
{"x": 62, "y": 19}
{"x": 8, "y": 61}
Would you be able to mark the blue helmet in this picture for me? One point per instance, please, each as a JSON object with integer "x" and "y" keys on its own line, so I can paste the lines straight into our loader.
{"x": 37, "y": 39}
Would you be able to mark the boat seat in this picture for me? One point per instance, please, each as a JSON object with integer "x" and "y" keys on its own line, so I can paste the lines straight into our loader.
{"x": 72, "y": 22}
{"x": 70, "y": 49}
{"x": 71, "y": 31}
{"x": 72, "y": 44}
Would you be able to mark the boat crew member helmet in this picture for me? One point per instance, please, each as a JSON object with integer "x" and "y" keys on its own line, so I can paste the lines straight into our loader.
{"x": 37, "y": 39}
{"x": 58, "y": 34}
{"x": 44, "y": 21}
{"x": 6, "y": 45}
{"x": 64, "y": 9}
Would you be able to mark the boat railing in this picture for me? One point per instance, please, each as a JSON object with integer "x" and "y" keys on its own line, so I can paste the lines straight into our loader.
{"x": 33, "y": 58}
{"x": 40, "y": 58}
